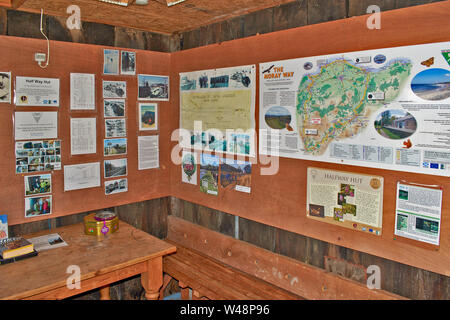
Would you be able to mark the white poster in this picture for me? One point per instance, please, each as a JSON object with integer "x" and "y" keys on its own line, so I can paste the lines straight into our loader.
{"x": 148, "y": 152}
{"x": 81, "y": 176}
{"x": 83, "y": 136}
{"x": 383, "y": 108}
{"x": 30, "y": 91}
{"x": 36, "y": 125}
{"x": 82, "y": 91}
{"x": 418, "y": 213}
{"x": 217, "y": 110}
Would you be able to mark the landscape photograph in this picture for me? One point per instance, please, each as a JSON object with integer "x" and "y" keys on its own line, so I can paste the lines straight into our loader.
{"x": 115, "y": 168}
{"x": 235, "y": 173}
{"x": 209, "y": 174}
{"x": 153, "y": 87}
{"x": 278, "y": 117}
{"x": 432, "y": 84}
{"x": 113, "y": 147}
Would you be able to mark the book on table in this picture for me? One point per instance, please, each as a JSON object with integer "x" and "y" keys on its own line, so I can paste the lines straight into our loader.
{"x": 14, "y": 247}
{"x": 18, "y": 258}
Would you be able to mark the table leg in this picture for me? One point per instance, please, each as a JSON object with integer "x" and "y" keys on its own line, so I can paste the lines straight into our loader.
{"x": 104, "y": 293}
{"x": 152, "y": 279}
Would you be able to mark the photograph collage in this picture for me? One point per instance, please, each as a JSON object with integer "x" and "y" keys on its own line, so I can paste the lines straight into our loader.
{"x": 232, "y": 174}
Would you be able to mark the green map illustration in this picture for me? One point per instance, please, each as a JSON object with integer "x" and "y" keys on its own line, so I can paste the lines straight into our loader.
{"x": 338, "y": 94}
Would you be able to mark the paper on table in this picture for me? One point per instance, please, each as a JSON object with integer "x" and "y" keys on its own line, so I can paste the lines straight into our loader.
{"x": 48, "y": 241}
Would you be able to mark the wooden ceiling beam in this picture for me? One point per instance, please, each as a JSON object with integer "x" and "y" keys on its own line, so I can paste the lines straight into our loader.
{"x": 155, "y": 16}
{"x": 13, "y": 4}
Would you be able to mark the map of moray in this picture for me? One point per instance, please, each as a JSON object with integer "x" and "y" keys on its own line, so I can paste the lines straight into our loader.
{"x": 335, "y": 102}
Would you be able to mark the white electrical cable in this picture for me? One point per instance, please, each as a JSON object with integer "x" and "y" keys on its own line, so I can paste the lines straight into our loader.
{"x": 48, "y": 45}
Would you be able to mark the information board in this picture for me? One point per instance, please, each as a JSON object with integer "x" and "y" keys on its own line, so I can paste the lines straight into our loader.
{"x": 384, "y": 108}
{"x": 217, "y": 109}
{"x": 342, "y": 198}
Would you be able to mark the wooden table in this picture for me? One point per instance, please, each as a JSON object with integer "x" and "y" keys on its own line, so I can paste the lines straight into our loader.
{"x": 101, "y": 261}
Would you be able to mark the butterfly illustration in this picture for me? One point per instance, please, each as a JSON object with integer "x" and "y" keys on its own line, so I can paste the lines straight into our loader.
{"x": 428, "y": 62}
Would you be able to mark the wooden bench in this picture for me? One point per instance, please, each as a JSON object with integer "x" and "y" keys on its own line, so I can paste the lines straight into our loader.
{"x": 218, "y": 267}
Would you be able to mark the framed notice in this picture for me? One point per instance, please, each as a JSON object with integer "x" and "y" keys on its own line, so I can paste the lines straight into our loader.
{"x": 43, "y": 92}
{"x": 345, "y": 199}
{"x": 35, "y": 125}
{"x": 418, "y": 212}
{"x": 81, "y": 176}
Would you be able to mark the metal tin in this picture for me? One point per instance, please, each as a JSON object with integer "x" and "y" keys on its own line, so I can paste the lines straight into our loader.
{"x": 101, "y": 223}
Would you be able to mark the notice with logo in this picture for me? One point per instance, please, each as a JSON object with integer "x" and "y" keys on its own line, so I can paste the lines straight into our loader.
{"x": 346, "y": 199}
{"x": 35, "y": 125}
{"x": 36, "y": 92}
{"x": 418, "y": 213}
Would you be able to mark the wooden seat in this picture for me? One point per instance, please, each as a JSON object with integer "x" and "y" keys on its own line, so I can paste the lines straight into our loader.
{"x": 217, "y": 266}
{"x": 214, "y": 280}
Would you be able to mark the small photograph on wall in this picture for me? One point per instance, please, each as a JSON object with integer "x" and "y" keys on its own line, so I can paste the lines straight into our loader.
{"x": 153, "y": 87}
{"x": 115, "y": 147}
{"x": 116, "y": 186}
{"x": 115, "y": 128}
{"x": 5, "y": 87}
{"x": 38, "y": 184}
{"x": 209, "y": 174}
{"x": 148, "y": 116}
{"x": 110, "y": 61}
{"x": 115, "y": 168}
{"x": 114, "y": 108}
{"x": 236, "y": 175}
{"x": 128, "y": 63}
{"x": 38, "y": 206}
{"x": 114, "y": 89}
{"x": 34, "y": 156}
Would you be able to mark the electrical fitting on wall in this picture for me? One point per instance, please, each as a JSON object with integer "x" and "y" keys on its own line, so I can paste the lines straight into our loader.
{"x": 39, "y": 57}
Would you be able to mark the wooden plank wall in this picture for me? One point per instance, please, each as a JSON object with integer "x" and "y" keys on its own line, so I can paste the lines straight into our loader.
{"x": 24, "y": 24}
{"x": 280, "y": 200}
{"x": 295, "y": 14}
{"x": 398, "y": 278}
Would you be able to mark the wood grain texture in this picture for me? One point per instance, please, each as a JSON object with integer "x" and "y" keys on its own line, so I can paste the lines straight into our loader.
{"x": 66, "y": 58}
{"x": 155, "y": 17}
{"x": 291, "y": 15}
{"x": 302, "y": 279}
{"x": 217, "y": 281}
{"x": 101, "y": 260}
{"x": 280, "y": 200}
{"x": 3, "y": 22}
